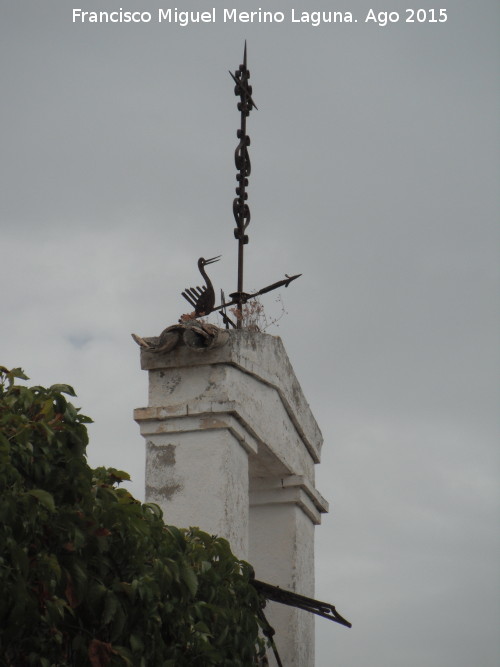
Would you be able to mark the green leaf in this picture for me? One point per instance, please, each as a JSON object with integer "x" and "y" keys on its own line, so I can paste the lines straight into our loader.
{"x": 118, "y": 475}
{"x": 205, "y": 566}
{"x": 136, "y": 644}
{"x": 47, "y": 408}
{"x": 202, "y": 627}
{"x": 53, "y": 563}
{"x": 124, "y": 654}
{"x": 110, "y": 607}
{"x": 154, "y": 509}
{"x": 5, "y": 445}
{"x": 18, "y": 373}
{"x": 189, "y": 578}
{"x": 63, "y": 389}
{"x": 44, "y": 498}
{"x": 119, "y": 620}
{"x": 79, "y": 538}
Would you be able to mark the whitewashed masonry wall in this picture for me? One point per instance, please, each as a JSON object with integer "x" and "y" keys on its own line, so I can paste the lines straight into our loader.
{"x": 231, "y": 446}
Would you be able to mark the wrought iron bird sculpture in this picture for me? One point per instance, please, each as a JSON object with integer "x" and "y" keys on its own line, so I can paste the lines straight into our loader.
{"x": 202, "y": 298}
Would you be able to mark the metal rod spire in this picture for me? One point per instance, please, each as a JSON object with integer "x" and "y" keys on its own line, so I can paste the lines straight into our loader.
{"x": 241, "y": 210}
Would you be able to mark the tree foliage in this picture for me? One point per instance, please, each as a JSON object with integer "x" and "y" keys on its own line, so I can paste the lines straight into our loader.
{"x": 91, "y": 576}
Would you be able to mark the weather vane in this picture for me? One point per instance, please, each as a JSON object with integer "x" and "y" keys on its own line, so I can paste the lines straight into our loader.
{"x": 202, "y": 299}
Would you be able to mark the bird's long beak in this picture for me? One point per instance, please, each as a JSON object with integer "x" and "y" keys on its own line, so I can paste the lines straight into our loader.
{"x": 213, "y": 259}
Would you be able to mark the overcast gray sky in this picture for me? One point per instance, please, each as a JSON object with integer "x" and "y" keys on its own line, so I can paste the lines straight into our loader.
{"x": 375, "y": 174}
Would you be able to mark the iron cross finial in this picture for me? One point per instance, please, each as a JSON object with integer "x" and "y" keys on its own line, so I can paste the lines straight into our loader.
{"x": 202, "y": 299}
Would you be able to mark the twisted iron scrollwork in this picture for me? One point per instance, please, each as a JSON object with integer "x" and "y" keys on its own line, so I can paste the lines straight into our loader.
{"x": 241, "y": 210}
